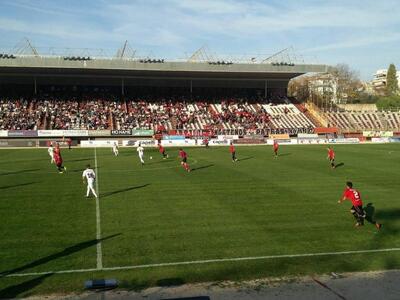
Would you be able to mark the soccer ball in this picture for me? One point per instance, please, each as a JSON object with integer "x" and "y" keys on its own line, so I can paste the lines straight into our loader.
{"x": 151, "y": 157}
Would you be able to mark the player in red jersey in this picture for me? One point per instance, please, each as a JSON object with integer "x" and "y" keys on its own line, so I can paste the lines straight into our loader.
{"x": 331, "y": 157}
{"x": 69, "y": 143}
{"x": 184, "y": 163}
{"x": 161, "y": 149}
{"x": 276, "y": 148}
{"x": 232, "y": 150}
{"x": 205, "y": 142}
{"x": 357, "y": 209}
{"x": 58, "y": 159}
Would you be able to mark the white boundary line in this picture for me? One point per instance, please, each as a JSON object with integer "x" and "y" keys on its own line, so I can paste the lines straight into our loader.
{"x": 208, "y": 261}
{"x": 98, "y": 228}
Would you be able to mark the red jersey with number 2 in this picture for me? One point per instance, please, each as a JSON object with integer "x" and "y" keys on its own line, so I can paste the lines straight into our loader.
{"x": 353, "y": 195}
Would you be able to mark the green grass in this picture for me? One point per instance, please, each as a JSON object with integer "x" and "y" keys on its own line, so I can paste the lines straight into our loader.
{"x": 158, "y": 213}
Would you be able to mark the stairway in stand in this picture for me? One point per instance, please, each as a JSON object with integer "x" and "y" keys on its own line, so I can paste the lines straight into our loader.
{"x": 304, "y": 110}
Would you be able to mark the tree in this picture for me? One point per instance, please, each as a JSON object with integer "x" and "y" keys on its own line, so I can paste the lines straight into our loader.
{"x": 299, "y": 88}
{"x": 392, "y": 86}
{"x": 349, "y": 85}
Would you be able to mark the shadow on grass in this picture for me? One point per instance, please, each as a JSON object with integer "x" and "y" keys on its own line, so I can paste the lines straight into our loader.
{"x": 19, "y": 172}
{"x": 16, "y": 185}
{"x": 284, "y": 154}
{"x": 79, "y": 159}
{"x": 339, "y": 165}
{"x": 67, "y": 251}
{"x": 17, "y": 289}
{"x": 202, "y": 167}
{"x": 387, "y": 218}
{"x": 245, "y": 158}
{"x": 370, "y": 213}
{"x": 108, "y": 194}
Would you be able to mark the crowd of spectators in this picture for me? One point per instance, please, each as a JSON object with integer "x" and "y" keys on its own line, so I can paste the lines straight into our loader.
{"x": 158, "y": 113}
{"x": 18, "y": 115}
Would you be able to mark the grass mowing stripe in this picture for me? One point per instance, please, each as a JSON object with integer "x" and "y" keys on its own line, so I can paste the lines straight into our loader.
{"x": 98, "y": 228}
{"x": 207, "y": 261}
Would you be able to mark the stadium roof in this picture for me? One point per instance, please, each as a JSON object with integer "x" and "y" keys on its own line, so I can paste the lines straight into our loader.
{"x": 87, "y": 71}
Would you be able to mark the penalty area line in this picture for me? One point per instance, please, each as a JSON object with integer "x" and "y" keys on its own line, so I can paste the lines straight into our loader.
{"x": 207, "y": 261}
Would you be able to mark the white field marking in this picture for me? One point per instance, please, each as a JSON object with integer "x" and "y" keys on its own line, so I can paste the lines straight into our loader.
{"x": 207, "y": 261}
{"x": 98, "y": 228}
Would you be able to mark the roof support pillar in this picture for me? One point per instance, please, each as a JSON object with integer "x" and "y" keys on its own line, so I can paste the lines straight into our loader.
{"x": 266, "y": 88}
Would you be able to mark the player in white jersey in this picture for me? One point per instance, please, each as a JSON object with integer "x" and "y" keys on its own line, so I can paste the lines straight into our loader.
{"x": 115, "y": 149}
{"x": 140, "y": 151}
{"x": 50, "y": 150}
{"x": 90, "y": 177}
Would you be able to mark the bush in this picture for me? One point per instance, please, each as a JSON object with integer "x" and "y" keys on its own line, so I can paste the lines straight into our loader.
{"x": 388, "y": 102}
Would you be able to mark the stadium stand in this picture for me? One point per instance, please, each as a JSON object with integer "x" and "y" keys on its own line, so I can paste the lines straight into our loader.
{"x": 150, "y": 113}
{"x": 105, "y": 111}
{"x": 372, "y": 120}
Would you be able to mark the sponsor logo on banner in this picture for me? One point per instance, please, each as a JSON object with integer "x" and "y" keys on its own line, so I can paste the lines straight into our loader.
{"x": 50, "y": 133}
{"x": 22, "y": 133}
{"x": 121, "y": 132}
{"x": 311, "y": 141}
{"x": 394, "y": 140}
{"x": 214, "y": 142}
{"x": 100, "y": 132}
{"x": 135, "y": 143}
{"x": 3, "y": 133}
{"x": 173, "y": 137}
{"x": 228, "y": 137}
{"x": 344, "y": 141}
{"x": 185, "y": 142}
{"x": 142, "y": 132}
{"x": 76, "y": 132}
{"x": 378, "y": 133}
{"x": 283, "y": 142}
{"x": 307, "y": 136}
{"x": 380, "y": 140}
{"x": 62, "y": 133}
{"x": 250, "y": 141}
{"x": 279, "y": 136}
{"x": 98, "y": 143}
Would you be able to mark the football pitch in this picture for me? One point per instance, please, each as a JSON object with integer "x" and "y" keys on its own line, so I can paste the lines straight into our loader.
{"x": 159, "y": 225}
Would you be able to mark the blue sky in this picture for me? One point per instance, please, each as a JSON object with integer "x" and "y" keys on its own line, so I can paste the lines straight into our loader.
{"x": 364, "y": 34}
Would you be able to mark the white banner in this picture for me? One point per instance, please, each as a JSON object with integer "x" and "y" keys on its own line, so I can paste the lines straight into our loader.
{"x": 62, "y": 133}
{"x": 3, "y": 133}
{"x": 227, "y": 137}
{"x": 344, "y": 141}
{"x": 98, "y": 143}
{"x": 307, "y": 135}
{"x": 380, "y": 140}
{"x": 312, "y": 141}
{"x": 143, "y": 143}
{"x": 282, "y": 142}
{"x": 50, "y": 133}
{"x": 68, "y": 133}
{"x": 378, "y": 133}
{"x": 219, "y": 142}
{"x": 176, "y": 143}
